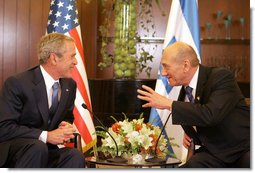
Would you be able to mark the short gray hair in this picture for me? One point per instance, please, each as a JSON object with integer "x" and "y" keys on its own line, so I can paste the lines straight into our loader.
{"x": 51, "y": 43}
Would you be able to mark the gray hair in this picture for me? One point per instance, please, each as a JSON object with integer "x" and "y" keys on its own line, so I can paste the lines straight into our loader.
{"x": 51, "y": 43}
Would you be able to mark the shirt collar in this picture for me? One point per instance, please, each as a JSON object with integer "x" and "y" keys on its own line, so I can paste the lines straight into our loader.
{"x": 49, "y": 81}
{"x": 193, "y": 82}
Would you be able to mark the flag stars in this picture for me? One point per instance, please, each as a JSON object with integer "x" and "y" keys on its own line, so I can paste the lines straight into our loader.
{"x": 65, "y": 26}
{"x": 62, "y": 16}
{"x": 55, "y": 24}
{"x": 52, "y": 2}
{"x": 60, "y": 4}
{"x": 58, "y": 14}
{"x": 50, "y": 13}
{"x": 67, "y": 17}
{"x": 69, "y": 7}
{"x": 76, "y": 20}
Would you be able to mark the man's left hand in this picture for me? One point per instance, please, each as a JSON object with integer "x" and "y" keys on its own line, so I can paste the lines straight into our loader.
{"x": 154, "y": 99}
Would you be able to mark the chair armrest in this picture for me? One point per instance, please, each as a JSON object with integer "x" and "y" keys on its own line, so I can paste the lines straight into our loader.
{"x": 77, "y": 141}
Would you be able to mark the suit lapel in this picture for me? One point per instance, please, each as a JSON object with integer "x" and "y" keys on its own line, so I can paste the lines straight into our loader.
{"x": 182, "y": 94}
{"x": 202, "y": 78}
{"x": 40, "y": 94}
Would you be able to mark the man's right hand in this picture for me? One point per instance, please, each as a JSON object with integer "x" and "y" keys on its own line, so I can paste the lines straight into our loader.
{"x": 60, "y": 135}
{"x": 186, "y": 141}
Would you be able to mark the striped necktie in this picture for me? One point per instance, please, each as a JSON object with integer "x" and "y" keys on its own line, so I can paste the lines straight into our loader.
{"x": 188, "y": 91}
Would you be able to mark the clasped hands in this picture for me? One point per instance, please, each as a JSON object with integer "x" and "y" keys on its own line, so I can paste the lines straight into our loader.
{"x": 62, "y": 134}
{"x": 154, "y": 99}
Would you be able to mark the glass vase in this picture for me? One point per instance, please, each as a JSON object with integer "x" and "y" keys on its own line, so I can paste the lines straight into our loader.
{"x": 125, "y": 39}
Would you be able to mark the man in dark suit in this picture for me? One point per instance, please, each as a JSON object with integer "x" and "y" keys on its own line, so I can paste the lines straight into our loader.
{"x": 35, "y": 117}
{"x": 214, "y": 106}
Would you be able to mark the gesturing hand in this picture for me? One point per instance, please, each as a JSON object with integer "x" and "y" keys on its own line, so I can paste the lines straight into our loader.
{"x": 154, "y": 99}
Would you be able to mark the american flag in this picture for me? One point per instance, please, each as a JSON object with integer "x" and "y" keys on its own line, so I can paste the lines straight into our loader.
{"x": 63, "y": 18}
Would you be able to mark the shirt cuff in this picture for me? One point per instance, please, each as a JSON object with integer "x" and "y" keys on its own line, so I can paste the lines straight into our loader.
{"x": 43, "y": 136}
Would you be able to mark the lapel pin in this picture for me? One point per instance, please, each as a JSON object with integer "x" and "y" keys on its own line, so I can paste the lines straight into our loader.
{"x": 67, "y": 90}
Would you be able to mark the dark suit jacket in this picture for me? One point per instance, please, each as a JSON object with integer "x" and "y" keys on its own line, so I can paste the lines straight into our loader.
{"x": 220, "y": 114}
{"x": 24, "y": 107}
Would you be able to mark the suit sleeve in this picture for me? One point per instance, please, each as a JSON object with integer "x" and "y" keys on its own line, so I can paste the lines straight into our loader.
{"x": 10, "y": 113}
{"x": 220, "y": 96}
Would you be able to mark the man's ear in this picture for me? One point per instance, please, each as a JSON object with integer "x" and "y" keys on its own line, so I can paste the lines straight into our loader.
{"x": 53, "y": 58}
{"x": 186, "y": 65}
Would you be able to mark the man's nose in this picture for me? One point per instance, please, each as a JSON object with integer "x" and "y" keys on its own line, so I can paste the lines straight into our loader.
{"x": 75, "y": 61}
{"x": 163, "y": 72}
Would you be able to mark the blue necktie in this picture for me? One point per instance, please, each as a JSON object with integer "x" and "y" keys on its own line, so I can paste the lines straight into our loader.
{"x": 54, "y": 103}
{"x": 188, "y": 91}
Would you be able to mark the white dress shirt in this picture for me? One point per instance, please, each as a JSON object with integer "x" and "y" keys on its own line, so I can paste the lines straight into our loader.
{"x": 49, "y": 81}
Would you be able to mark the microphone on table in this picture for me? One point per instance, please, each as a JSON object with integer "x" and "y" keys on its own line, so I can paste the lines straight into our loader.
{"x": 155, "y": 159}
{"x": 117, "y": 158}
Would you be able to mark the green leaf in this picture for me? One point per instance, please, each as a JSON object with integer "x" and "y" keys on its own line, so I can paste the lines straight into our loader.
{"x": 141, "y": 116}
{"x": 114, "y": 118}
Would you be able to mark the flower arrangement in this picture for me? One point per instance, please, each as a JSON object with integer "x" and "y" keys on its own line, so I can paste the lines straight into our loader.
{"x": 134, "y": 139}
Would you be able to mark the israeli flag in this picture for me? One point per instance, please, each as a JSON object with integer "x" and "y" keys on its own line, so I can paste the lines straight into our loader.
{"x": 183, "y": 25}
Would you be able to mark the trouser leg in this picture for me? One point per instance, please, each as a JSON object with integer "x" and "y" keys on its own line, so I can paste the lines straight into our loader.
{"x": 66, "y": 158}
{"x": 203, "y": 159}
{"x": 28, "y": 153}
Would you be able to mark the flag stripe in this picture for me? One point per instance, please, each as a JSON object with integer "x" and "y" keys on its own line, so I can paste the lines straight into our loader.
{"x": 86, "y": 116}
{"x": 81, "y": 125}
{"x": 191, "y": 19}
{"x": 78, "y": 43}
{"x": 81, "y": 87}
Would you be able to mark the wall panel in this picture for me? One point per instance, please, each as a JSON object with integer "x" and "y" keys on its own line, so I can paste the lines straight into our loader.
{"x": 36, "y": 31}
{"x": 23, "y": 32}
{"x": 1, "y": 40}
{"x": 10, "y": 38}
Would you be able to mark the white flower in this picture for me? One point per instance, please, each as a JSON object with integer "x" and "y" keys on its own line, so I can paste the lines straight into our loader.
{"x": 126, "y": 126}
{"x": 137, "y": 158}
{"x": 146, "y": 141}
{"x": 145, "y": 130}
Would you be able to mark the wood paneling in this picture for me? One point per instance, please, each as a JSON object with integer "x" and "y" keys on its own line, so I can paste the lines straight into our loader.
{"x": 10, "y": 35}
{"x": 235, "y": 8}
{"x": 22, "y": 23}
{"x": 36, "y": 31}
{"x": 23, "y": 33}
{"x": 1, "y": 41}
{"x": 88, "y": 22}
{"x": 233, "y": 53}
